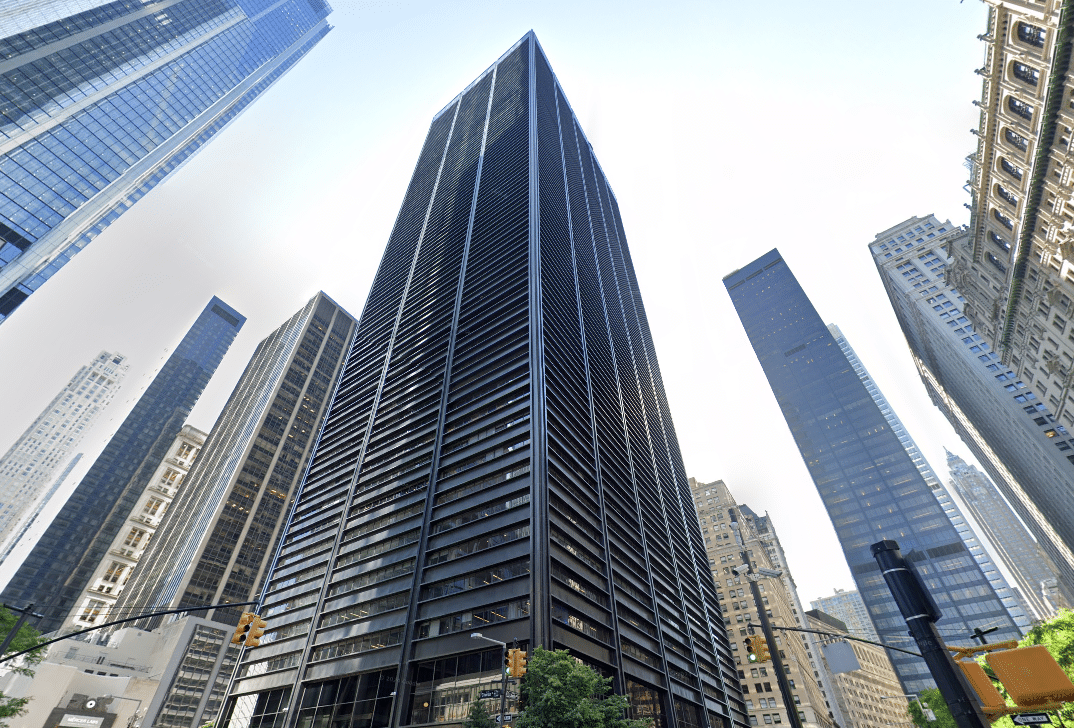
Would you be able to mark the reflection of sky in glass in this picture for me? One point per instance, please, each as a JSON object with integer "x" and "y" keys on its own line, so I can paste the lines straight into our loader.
{"x": 99, "y": 107}
{"x": 868, "y": 481}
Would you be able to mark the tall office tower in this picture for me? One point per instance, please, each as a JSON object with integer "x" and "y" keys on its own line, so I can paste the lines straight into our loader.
{"x": 1020, "y": 554}
{"x": 849, "y": 608}
{"x": 867, "y": 480}
{"x": 30, "y": 518}
{"x": 33, "y": 461}
{"x": 869, "y": 697}
{"x": 499, "y": 457}
{"x": 110, "y": 577}
{"x": 1011, "y": 600}
{"x": 216, "y": 544}
{"x": 715, "y": 505}
{"x": 100, "y": 101}
{"x": 1000, "y": 419}
{"x": 61, "y": 564}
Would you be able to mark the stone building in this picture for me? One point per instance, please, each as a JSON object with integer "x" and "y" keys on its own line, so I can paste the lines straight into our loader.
{"x": 780, "y": 599}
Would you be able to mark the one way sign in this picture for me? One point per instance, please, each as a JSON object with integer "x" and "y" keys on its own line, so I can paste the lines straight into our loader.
{"x": 1031, "y": 719}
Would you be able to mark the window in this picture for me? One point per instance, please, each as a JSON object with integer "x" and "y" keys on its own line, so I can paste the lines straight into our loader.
{"x": 768, "y": 718}
{"x": 1007, "y": 195}
{"x": 1003, "y": 219}
{"x": 153, "y": 506}
{"x": 1012, "y": 170}
{"x": 999, "y": 241}
{"x": 1025, "y": 73}
{"x": 1020, "y": 108}
{"x": 1031, "y": 34}
{"x": 134, "y": 538}
{"x": 92, "y": 611}
{"x": 768, "y": 687}
{"x": 1016, "y": 140}
{"x": 115, "y": 571}
{"x": 995, "y": 261}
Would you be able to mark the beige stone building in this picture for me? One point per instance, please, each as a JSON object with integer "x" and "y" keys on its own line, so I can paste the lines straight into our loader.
{"x": 1016, "y": 267}
{"x": 780, "y": 600}
{"x": 111, "y": 575}
{"x": 872, "y": 696}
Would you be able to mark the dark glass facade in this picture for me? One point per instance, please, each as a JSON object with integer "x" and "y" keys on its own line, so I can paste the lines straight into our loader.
{"x": 216, "y": 542}
{"x": 61, "y": 564}
{"x": 867, "y": 480}
{"x": 96, "y": 108}
{"x": 499, "y": 456}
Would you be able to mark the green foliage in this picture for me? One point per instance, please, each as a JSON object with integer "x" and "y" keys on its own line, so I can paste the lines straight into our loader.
{"x": 560, "y": 692}
{"x": 26, "y": 638}
{"x": 479, "y": 716}
{"x": 1057, "y": 634}
{"x": 936, "y": 703}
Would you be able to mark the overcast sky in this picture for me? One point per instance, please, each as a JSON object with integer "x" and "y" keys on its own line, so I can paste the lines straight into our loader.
{"x": 725, "y": 129}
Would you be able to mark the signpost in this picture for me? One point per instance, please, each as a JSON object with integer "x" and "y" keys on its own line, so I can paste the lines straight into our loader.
{"x": 1031, "y": 719}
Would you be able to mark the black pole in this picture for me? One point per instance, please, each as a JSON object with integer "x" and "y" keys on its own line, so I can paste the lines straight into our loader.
{"x": 766, "y": 628}
{"x": 23, "y": 614}
{"x": 921, "y": 613}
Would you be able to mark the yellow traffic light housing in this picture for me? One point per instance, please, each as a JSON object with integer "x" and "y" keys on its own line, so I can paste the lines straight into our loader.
{"x": 751, "y": 650}
{"x": 763, "y": 655}
{"x": 518, "y": 667}
{"x": 257, "y": 628}
{"x": 242, "y": 628}
{"x": 509, "y": 662}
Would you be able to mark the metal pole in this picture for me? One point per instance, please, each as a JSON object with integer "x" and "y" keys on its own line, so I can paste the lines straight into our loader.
{"x": 766, "y": 627}
{"x": 24, "y": 614}
{"x": 921, "y": 614}
{"x": 503, "y": 671}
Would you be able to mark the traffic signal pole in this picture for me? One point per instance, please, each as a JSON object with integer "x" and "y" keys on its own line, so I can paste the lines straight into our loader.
{"x": 921, "y": 613}
{"x": 766, "y": 627}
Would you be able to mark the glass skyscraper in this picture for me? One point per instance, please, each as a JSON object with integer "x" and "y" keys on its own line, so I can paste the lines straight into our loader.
{"x": 62, "y": 562}
{"x": 100, "y": 101}
{"x": 216, "y": 543}
{"x": 499, "y": 456}
{"x": 867, "y": 479}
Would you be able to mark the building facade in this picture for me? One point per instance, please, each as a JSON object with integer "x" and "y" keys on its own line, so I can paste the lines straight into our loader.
{"x": 1004, "y": 423}
{"x": 1033, "y": 571}
{"x": 33, "y": 462}
{"x": 218, "y": 541}
{"x": 30, "y": 519}
{"x": 1012, "y": 601}
{"x": 109, "y": 579}
{"x": 870, "y": 697}
{"x": 135, "y": 678}
{"x": 99, "y": 104}
{"x": 764, "y": 702}
{"x": 61, "y": 564}
{"x": 867, "y": 480}
{"x": 847, "y": 606}
{"x": 499, "y": 456}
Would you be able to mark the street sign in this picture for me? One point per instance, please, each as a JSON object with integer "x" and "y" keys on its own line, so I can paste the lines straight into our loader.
{"x": 1031, "y": 719}
{"x": 488, "y": 694}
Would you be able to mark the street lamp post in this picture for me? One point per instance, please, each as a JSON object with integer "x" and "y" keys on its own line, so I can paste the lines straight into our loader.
{"x": 503, "y": 672}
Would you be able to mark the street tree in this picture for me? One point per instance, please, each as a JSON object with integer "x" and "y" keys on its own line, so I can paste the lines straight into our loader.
{"x": 932, "y": 698}
{"x": 479, "y": 716}
{"x": 558, "y": 691}
{"x": 26, "y": 638}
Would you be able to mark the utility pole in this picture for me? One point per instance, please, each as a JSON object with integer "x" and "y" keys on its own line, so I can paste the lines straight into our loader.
{"x": 23, "y": 614}
{"x": 766, "y": 625}
{"x": 921, "y": 614}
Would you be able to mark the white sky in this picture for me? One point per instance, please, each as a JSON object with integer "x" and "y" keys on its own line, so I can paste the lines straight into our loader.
{"x": 725, "y": 128}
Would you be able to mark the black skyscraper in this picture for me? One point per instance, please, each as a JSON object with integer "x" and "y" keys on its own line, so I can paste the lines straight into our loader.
{"x": 864, "y": 474}
{"x": 61, "y": 564}
{"x": 499, "y": 456}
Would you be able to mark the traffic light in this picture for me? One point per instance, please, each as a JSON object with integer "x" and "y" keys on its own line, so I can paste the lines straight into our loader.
{"x": 763, "y": 655}
{"x": 509, "y": 661}
{"x": 518, "y": 664}
{"x": 242, "y": 628}
{"x": 751, "y": 649}
{"x": 257, "y": 628}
